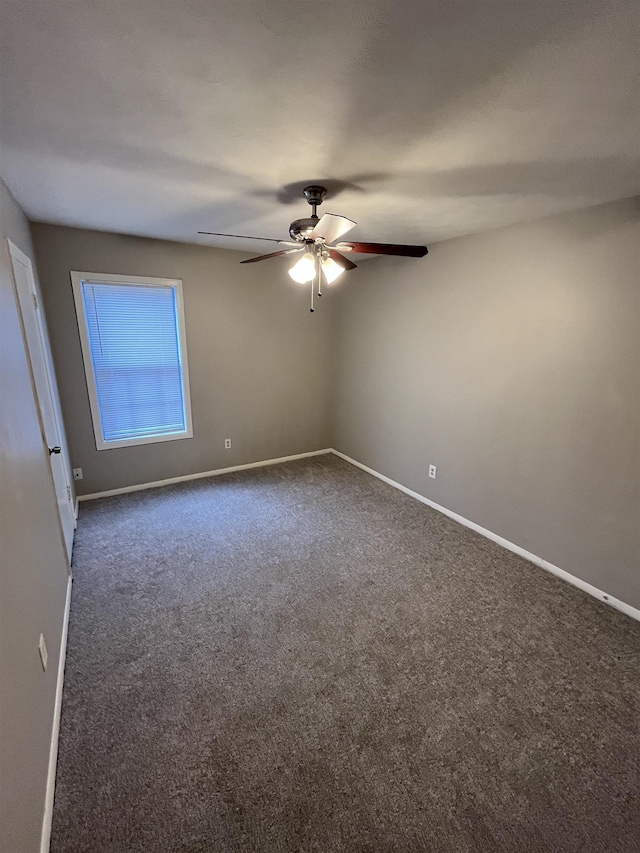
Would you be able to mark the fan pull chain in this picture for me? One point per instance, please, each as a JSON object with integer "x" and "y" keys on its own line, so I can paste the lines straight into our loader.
{"x": 319, "y": 265}
{"x": 313, "y": 280}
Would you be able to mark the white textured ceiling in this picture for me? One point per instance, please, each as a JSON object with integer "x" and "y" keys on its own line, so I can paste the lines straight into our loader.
{"x": 428, "y": 119}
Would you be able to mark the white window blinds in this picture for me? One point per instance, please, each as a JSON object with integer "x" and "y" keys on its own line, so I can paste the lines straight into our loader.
{"x": 134, "y": 342}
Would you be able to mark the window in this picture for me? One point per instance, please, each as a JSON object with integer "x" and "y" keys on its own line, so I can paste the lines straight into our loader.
{"x": 135, "y": 358}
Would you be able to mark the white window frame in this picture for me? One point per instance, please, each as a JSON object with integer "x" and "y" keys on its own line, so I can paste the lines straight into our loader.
{"x": 77, "y": 279}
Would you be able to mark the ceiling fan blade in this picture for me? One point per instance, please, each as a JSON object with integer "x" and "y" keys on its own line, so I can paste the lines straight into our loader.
{"x": 332, "y": 226}
{"x": 248, "y": 237}
{"x": 343, "y": 262}
{"x": 384, "y": 249}
{"x": 272, "y": 255}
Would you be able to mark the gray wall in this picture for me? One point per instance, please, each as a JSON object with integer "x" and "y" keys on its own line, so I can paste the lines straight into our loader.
{"x": 259, "y": 362}
{"x": 511, "y": 360}
{"x": 33, "y": 572}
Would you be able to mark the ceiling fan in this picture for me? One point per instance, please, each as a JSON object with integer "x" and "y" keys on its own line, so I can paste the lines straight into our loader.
{"x": 313, "y": 237}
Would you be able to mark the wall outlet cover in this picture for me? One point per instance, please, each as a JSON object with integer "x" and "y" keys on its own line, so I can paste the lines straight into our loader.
{"x": 432, "y": 471}
{"x": 77, "y": 473}
{"x": 227, "y": 444}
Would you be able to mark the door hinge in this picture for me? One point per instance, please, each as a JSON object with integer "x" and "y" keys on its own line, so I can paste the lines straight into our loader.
{"x": 69, "y": 493}
{"x": 35, "y": 301}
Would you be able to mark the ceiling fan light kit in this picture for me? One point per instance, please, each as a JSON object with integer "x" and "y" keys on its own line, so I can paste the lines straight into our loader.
{"x": 304, "y": 270}
{"x": 331, "y": 270}
{"x": 313, "y": 236}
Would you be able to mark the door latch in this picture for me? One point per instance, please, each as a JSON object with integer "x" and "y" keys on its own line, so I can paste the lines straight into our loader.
{"x": 53, "y": 450}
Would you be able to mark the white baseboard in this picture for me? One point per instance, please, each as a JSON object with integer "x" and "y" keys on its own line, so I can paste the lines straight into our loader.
{"x": 45, "y": 836}
{"x": 158, "y": 483}
{"x": 633, "y": 612}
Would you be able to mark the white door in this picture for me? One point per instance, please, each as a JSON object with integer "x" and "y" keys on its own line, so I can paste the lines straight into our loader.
{"x": 42, "y": 374}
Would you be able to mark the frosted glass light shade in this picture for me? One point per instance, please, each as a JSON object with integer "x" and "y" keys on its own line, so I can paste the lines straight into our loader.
{"x": 304, "y": 270}
{"x": 331, "y": 270}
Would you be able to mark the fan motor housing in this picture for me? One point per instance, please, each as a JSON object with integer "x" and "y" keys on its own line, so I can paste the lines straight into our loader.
{"x": 300, "y": 229}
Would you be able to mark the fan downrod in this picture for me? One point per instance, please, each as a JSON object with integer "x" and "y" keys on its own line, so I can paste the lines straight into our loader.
{"x": 301, "y": 228}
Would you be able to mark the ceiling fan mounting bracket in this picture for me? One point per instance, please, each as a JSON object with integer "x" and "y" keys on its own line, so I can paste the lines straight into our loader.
{"x": 314, "y": 194}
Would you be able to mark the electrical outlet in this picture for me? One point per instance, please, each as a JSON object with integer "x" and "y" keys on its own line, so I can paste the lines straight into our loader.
{"x": 42, "y": 648}
{"x": 77, "y": 473}
{"x": 432, "y": 471}
{"x": 227, "y": 444}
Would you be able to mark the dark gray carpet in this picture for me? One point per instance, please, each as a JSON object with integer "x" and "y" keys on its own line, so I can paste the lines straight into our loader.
{"x": 301, "y": 658}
